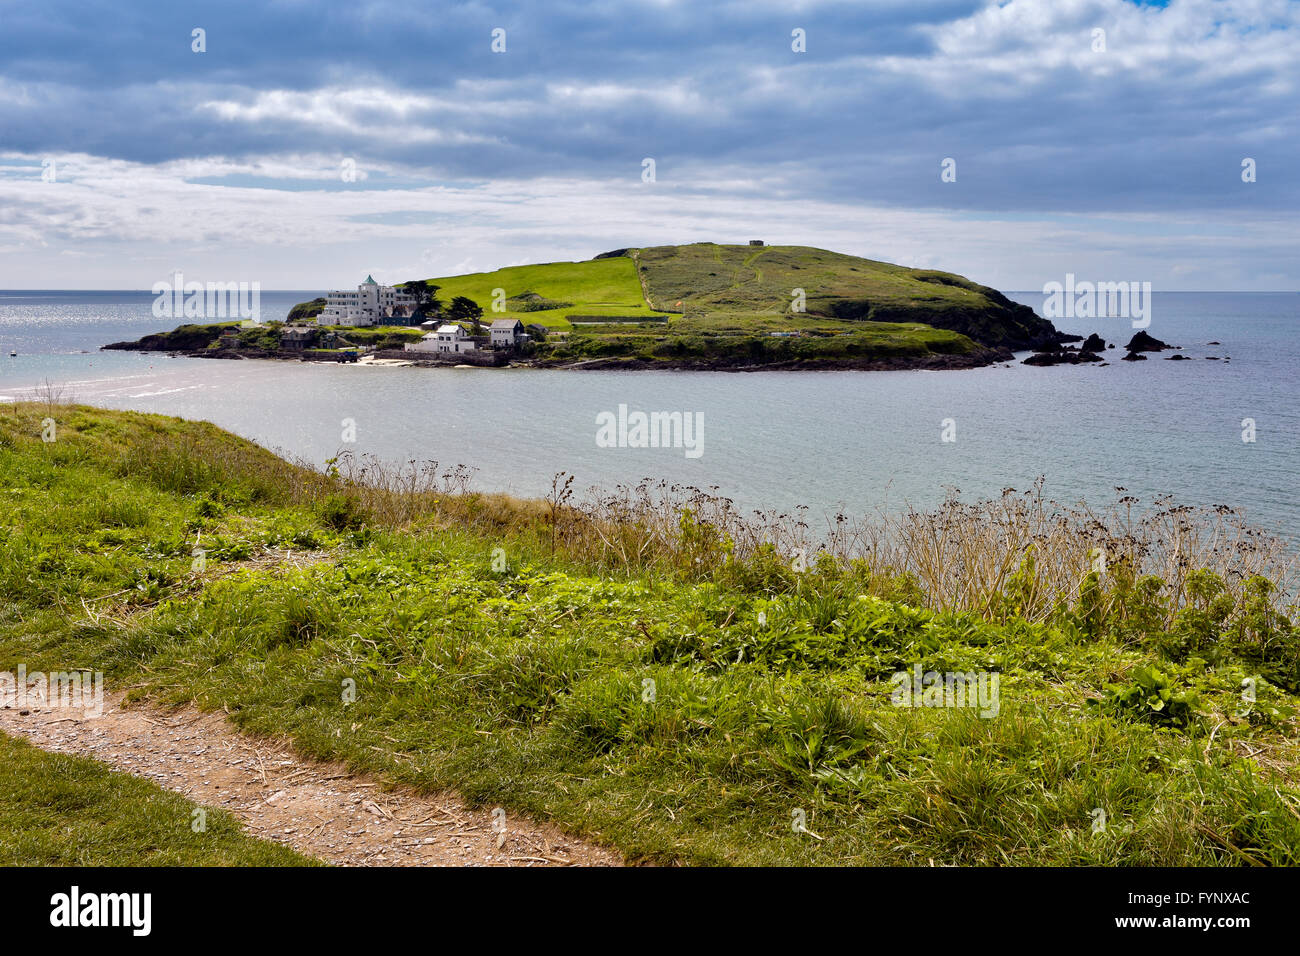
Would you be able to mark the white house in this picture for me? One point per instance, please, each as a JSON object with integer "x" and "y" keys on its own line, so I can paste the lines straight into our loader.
{"x": 448, "y": 338}
{"x": 506, "y": 333}
{"x": 369, "y": 305}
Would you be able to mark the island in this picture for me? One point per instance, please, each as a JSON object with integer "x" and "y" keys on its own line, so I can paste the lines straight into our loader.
{"x": 697, "y": 306}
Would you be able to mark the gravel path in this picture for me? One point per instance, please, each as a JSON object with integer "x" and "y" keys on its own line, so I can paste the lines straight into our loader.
{"x": 319, "y": 809}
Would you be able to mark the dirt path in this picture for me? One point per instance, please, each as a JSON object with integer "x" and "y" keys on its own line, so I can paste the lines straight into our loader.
{"x": 317, "y": 808}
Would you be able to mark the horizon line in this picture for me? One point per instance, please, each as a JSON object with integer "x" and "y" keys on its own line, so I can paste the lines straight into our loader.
{"x": 1004, "y": 291}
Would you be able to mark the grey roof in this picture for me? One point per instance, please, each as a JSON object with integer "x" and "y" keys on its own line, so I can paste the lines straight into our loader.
{"x": 507, "y": 324}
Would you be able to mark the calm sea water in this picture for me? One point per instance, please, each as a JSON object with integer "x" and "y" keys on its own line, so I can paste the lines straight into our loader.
{"x": 857, "y": 440}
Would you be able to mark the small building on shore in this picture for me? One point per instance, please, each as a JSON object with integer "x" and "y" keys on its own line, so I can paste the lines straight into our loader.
{"x": 507, "y": 333}
{"x": 446, "y": 339}
{"x": 295, "y": 338}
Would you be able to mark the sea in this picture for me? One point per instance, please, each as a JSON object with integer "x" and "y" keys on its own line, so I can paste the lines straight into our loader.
{"x": 1220, "y": 429}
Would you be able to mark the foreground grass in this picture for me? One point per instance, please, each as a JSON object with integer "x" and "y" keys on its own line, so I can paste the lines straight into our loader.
{"x": 59, "y": 810}
{"x": 676, "y": 715}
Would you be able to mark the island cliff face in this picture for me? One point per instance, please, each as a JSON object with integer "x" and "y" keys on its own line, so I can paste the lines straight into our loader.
{"x": 706, "y": 306}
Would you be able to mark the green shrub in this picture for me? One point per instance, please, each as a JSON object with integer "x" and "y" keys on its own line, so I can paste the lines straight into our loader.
{"x": 342, "y": 512}
{"x": 1152, "y": 695}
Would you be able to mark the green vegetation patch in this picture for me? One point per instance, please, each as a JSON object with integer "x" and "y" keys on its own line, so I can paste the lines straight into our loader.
{"x": 542, "y": 294}
{"x": 382, "y": 336}
{"x": 710, "y": 278}
{"x": 61, "y": 810}
{"x": 306, "y": 311}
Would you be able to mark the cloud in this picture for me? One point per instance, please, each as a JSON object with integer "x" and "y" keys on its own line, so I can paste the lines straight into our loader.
{"x": 243, "y": 143}
{"x": 305, "y": 238}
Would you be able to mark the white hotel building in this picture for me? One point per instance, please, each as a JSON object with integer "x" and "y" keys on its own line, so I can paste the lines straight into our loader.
{"x": 369, "y": 305}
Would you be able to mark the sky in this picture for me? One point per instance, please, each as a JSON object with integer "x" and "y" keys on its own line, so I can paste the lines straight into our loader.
{"x": 308, "y": 144}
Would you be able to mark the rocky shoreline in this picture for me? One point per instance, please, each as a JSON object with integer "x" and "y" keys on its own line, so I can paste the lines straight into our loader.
{"x": 982, "y": 357}
{"x": 1091, "y": 350}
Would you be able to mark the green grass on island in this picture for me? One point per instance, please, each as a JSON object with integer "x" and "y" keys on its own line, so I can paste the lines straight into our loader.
{"x": 710, "y": 306}
{"x": 61, "y": 810}
{"x": 711, "y": 279}
{"x": 650, "y": 670}
{"x": 548, "y": 293}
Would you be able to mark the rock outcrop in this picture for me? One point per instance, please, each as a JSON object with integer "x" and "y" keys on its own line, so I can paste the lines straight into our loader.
{"x": 1142, "y": 342}
{"x": 1062, "y": 357}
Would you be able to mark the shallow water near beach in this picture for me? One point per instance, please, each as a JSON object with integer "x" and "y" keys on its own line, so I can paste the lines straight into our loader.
{"x": 826, "y": 440}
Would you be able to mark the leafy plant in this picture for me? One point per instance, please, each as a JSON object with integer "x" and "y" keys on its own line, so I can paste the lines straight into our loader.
{"x": 813, "y": 736}
{"x": 1152, "y": 695}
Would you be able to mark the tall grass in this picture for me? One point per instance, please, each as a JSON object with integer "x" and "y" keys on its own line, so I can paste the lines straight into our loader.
{"x": 960, "y": 556}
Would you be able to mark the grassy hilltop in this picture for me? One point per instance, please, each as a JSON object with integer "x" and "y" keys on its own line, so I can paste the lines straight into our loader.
{"x": 652, "y": 670}
{"x": 714, "y": 281}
